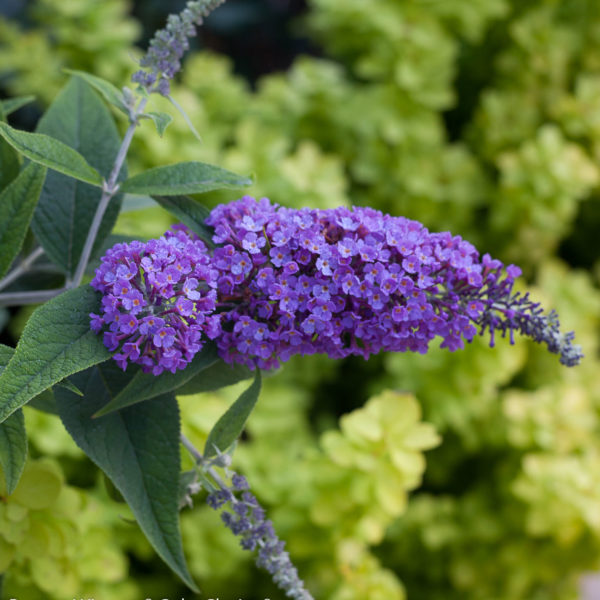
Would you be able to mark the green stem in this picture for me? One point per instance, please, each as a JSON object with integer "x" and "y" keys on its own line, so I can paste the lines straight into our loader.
{"x": 201, "y": 461}
{"x": 33, "y": 297}
{"x": 109, "y": 191}
{"x": 21, "y": 268}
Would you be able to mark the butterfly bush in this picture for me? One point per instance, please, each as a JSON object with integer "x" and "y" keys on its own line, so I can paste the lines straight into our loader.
{"x": 285, "y": 281}
{"x": 158, "y": 301}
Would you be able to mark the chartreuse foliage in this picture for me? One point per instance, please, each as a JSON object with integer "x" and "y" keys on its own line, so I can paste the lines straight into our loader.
{"x": 344, "y": 492}
{"x": 46, "y": 528}
{"x": 479, "y": 117}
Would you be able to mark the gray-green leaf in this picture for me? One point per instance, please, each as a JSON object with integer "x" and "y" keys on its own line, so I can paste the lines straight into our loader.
{"x": 51, "y": 153}
{"x": 138, "y": 449}
{"x": 110, "y": 93}
{"x": 9, "y": 164}
{"x": 161, "y": 120}
{"x": 17, "y": 203}
{"x": 183, "y": 178}
{"x": 9, "y": 159}
{"x": 13, "y": 438}
{"x": 13, "y": 449}
{"x": 13, "y": 104}
{"x": 190, "y": 212}
{"x": 56, "y": 342}
{"x": 66, "y": 208}
{"x": 145, "y": 385}
{"x": 229, "y": 427}
{"x": 214, "y": 378}
{"x": 187, "y": 120}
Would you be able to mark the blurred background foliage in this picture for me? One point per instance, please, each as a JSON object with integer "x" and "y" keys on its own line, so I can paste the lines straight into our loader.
{"x": 478, "y": 116}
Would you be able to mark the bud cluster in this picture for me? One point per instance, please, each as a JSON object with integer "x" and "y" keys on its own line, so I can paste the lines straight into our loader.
{"x": 246, "y": 519}
{"x": 168, "y": 45}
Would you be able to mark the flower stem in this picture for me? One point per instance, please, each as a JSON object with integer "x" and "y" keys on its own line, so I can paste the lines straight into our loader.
{"x": 32, "y": 297}
{"x": 109, "y": 191}
{"x": 21, "y": 268}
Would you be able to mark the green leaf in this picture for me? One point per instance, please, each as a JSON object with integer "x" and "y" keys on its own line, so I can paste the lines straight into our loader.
{"x": 56, "y": 342}
{"x": 138, "y": 449}
{"x": 13, "y": 438}
{"x": 17, "y": 203}
{"x": 13, "y": 449}
{"x": 112, "y": 491}
{"x": 44, "y": 402}
{"x": 229, "y": 427}
{"x": 190, "y": 212}
{"x": 51, "y": 153}
{"x": 66, "y": 208}
{"x": 183, "y": 178}
{"x": 69, "y": 385}
{"x": 6, "y": 353}
{"x": 145, "y": 385}
{"x": 185, "y": 117}
{"x": 110, "y": 93}
{"x": 9, "y": 159}
{"x": 13, "y": 104}
{"x": 9, "y": 164}
{"x": 214, "y": 378}
{"x": 161, "y": 120}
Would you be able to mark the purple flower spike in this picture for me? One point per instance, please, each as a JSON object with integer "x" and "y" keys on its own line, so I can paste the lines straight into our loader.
{"x": 339, "y": 282}
{"x": 168, "y": 45}
{"x": 361, "y": 282}
{"x": 246, "y": 519}
{"x": 156, "y": 317}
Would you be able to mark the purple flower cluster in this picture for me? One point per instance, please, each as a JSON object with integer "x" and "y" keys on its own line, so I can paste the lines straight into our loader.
{"x": 284, "y": 281}
{"x": 158, "y": 304}
{"x": 247, "y": 520}
{"x": 354, "y": 281}
{"x": 168, "y": 45}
